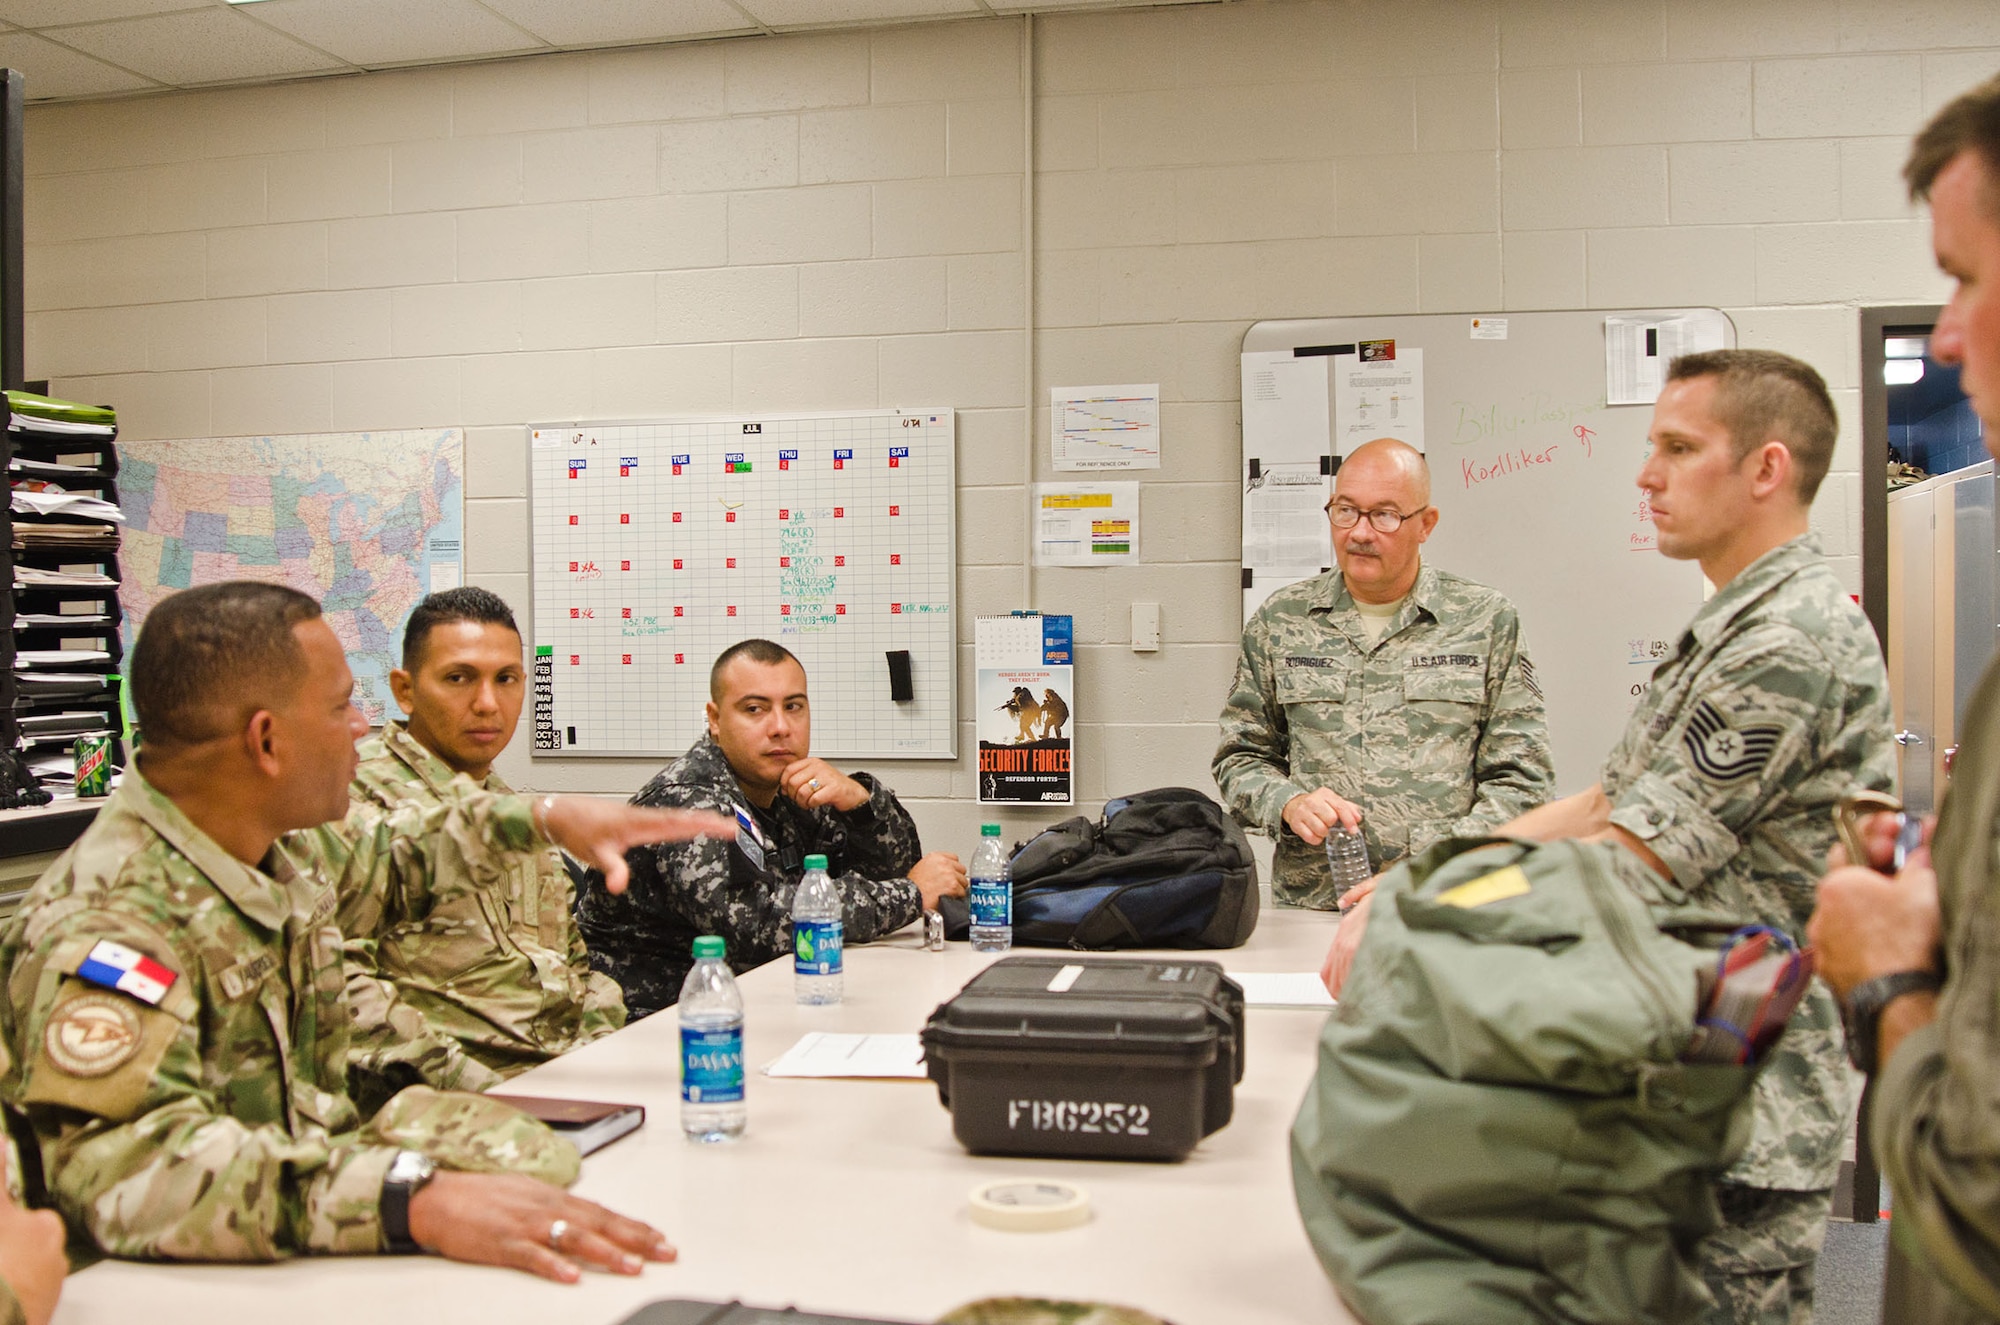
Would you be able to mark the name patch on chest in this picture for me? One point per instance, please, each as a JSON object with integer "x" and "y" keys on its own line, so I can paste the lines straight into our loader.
{"x": 243, "y": 977}
{"x": 1446, "y": 660}
{"x": 1301, "y": 660}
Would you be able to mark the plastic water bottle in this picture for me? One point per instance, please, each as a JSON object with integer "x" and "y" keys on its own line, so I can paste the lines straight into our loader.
{"x": 992, "y": 893}
{"x": 1347, "y": 858}
{"x": 817, "y": 937}
{"x": 711, "y": 1010}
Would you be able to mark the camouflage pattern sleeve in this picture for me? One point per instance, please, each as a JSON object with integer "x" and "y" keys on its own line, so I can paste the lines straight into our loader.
{"x": 380, "y": 863}
{"x": 870, "y": 850}
{"x": 1252, "y": 764}
{"x": 1720, "y": 762}
{"x": 142, "y": 1157}
{"x": 1512, "y": 771}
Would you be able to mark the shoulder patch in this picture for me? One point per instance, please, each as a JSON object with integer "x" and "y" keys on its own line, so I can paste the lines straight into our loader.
{"x": 1723, "y": 753}
{"x": 92, "y": 1035}
{"x": 129, "y": 971}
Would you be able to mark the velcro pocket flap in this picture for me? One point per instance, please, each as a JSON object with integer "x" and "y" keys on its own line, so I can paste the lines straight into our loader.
{"x": 1311, "y": 685}
{"x": 1452, "y": 685}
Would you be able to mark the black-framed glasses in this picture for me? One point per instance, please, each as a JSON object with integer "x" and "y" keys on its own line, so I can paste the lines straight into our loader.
{"x": 1387, "y": 520}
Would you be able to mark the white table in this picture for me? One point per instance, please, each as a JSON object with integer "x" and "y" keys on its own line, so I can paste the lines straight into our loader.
{"x": 1214, "y": 1240}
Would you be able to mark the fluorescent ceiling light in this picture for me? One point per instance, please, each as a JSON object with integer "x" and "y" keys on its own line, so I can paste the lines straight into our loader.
{"x": 1902, "y": 372}
{"x": 1904, "y": 347}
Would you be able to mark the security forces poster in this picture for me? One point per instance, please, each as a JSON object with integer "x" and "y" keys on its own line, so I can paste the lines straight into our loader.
{"x": 1025, "y": 690}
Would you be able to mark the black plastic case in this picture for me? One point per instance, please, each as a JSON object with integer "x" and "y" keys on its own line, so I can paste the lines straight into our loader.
{"x": 1090, "y": 1058}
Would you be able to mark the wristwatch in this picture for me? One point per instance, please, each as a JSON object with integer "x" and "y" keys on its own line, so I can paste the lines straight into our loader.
{"x": 409, "y": 1172}
{"x": 1865, "y": 1003}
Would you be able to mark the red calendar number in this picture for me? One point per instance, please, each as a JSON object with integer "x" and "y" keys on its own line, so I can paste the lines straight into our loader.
{"x": 679, "y": 659}
{"x": 732, "y": 609}
{"x": 576, "y": 660}
{"x": 840, "y": 609}
{"x": 624, "y": 565}
{"x": 677, "y": 517}
{"x": 680, "y": 611}
{"x": 840, "y": 512}
{"x": 572, "y": 519}
{"x": 783, "y": 513}
{"x": 730, "y": 518}
{"x": 784, "y": 561}
{"x": 624, "y": 519}
{"x": 784, "y": 609}
{"x": 627, "y": 658}
{"x": 678, "y": 565}
{"x": 895, "y": 510}
{"x": 626, "y": 613}
{"x": 895, "y": 558}
{"x": 730, "y": 564}
{"x": 895, "y": 609}
{"x": 840, "y": 561}
{"x": 575, "y": 613}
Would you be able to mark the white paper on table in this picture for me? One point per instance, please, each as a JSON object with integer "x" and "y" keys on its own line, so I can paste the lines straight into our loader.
{"x": 836, "y": 1054}
{"x": 1637, "y": 351}
{"x": 1379, "y": 398}
{"x": 1086, "y": 524}
{"x": 1105, "y": 427}
{"x": 1282, "y": 989}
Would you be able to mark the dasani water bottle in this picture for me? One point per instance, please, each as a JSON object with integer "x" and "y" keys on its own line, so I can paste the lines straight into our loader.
{"x": 992, "y": 893}
{"x": 711, "y": 1012}
{"x": 817, "y": 937}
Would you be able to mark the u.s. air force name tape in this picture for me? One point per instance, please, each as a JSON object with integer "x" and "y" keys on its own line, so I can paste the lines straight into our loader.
{"x": 1029, "y": 1207}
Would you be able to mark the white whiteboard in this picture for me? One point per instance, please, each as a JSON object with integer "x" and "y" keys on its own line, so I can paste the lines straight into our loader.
{"x": 1548, "y": 515}
{"x": 660, "y": 543}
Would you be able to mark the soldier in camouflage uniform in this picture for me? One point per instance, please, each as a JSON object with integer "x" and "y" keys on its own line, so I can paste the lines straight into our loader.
{"x": 1387, "y": 694}
{"x": 1916, "y": 958}
{"x": 755, "y": 765}
{"x": 175, "y": 1017}
{"x": 479, "y": 955}
{"x": 1773, "y": 705}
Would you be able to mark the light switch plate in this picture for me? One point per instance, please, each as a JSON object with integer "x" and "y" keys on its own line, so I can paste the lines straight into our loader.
{"x": 1145, "y": 627}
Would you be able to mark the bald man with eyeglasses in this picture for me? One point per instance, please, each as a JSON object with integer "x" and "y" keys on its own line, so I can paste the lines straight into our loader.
{"x": 1386, "y": 696}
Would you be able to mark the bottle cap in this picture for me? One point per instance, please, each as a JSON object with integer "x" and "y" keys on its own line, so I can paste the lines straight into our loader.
{"x": 1029, "y": 1207}
{"x": 708, "y": 945}
{"x": 989, "y": 830}
{"x": 815, "y": 862}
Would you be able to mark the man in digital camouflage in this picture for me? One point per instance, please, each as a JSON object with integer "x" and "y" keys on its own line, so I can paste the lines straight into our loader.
{"x": 479, "y": 957}
{"x": 1916, "y": 958}
{"x": 1773, "y": 705}
{"x": 1387, "y": 694}
{"x": 755, "y": 765}
{"x": 175, "y": 1016}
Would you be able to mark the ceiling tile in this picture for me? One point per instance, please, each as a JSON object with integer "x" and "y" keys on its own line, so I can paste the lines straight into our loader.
{"x": 57, "y": 71}
{"x": 381, "y": 32}
{"x": 49, "y": 13}
{"x": 601, "y": 22}
{"x": 818, "y": 13}
{"x": 211, "y": 46}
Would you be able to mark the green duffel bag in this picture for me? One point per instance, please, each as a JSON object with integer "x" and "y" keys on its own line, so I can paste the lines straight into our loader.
{"x": 1500, "y": 1129}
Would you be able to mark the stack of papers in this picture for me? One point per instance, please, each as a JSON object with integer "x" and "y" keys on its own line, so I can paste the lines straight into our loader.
{"x": 34, "y": 577}
{"x": 60, "y": 657}
{"x": 52, "y": 500}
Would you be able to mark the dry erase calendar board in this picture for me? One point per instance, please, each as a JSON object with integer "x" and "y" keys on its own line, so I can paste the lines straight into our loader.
{"x": 1533, "y": 465}
{"x": 658, "y": 544}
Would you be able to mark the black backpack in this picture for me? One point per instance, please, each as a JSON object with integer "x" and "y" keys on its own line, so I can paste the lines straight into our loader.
{"x": 1166, "y": 868}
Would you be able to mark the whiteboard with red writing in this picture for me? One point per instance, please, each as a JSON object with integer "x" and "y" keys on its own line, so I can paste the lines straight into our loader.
{"x": 660, "y": 543}
{"x": 1532, "y": 473}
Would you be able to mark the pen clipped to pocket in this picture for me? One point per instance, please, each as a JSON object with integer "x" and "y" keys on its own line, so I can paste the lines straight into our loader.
{"x": 1853, "y": 813}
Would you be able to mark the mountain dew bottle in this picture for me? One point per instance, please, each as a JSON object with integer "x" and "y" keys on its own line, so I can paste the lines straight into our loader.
{"x": 817, "y": 936}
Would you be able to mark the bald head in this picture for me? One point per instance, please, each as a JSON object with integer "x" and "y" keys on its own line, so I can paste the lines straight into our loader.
{"x": 1388, "y": 461}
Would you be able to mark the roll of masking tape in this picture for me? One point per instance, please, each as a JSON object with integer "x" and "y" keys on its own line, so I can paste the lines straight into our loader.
{"x": 1030, "y": 1207}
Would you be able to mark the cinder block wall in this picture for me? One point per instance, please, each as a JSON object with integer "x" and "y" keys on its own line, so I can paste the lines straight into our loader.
{"x": 833, "y": 221}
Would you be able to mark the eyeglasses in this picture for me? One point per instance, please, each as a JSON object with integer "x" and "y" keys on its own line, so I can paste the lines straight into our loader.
{"x": 1386, "y": 521}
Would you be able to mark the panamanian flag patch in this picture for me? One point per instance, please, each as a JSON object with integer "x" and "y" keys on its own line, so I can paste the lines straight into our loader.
{"x": 116, "y": 966}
